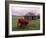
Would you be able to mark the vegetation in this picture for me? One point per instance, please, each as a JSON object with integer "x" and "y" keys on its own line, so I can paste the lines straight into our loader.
{"x": 34, "y": 26}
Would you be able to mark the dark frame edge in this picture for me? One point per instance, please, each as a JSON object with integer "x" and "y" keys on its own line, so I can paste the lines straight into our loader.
{"x": 43, "y": 18}
{"x": 6, "y": 19}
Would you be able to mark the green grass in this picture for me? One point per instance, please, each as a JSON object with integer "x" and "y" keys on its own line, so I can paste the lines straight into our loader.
{"x": 34, "y": 26}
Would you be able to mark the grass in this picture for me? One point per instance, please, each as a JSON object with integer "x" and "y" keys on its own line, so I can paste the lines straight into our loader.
{"x": 34, "y": 26}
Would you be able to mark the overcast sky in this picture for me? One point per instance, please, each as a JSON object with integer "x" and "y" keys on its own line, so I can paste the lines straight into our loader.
{"x": 21, "y": 10}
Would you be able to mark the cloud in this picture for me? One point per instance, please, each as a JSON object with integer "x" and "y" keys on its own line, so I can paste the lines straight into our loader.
{"x": 21, "y": 11}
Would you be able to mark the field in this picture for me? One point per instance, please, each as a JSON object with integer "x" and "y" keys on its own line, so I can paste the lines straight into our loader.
{"x": 34, "y": 26}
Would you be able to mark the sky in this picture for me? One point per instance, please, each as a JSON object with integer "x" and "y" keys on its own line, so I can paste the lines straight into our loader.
{"x": 21, "y": 10}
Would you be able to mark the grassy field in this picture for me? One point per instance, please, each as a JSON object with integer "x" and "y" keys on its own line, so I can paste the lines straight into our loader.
{"x": 34, "y": 26}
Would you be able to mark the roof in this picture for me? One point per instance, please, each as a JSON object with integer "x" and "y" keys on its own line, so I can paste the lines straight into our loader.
{"x": 30, "y": 14}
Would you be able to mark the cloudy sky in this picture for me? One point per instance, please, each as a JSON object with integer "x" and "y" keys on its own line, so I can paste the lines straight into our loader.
{"x": 21, "y": 10}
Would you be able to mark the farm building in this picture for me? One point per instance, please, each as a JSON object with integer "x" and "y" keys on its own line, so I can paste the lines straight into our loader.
{"x": 30, "y": 16}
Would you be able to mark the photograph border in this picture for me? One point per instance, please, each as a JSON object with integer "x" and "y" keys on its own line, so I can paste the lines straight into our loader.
{"x": 7, "y": 18}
